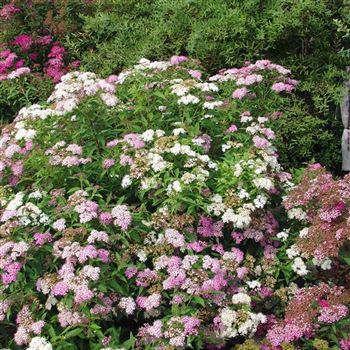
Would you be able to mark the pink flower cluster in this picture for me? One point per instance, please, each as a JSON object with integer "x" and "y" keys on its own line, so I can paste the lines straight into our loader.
{"x": 8, "y": 11}
{"x": 174, "y": 332}
{"x": 121, "y": 216}
{"x": 31, "y": 50}
{"x": 208, "y": 228}
{"x": 66, "y": 155}
{"x": 26, "y": 326}
{"x": 9, "y": 151}
{"x": 10, "y": 253}
{"x": 249, "y": 76}
{"x": 4, "y": 307}
{"x": 9, "y": 67}
{"x": 67, "y": 317}
{"x": 332, "y": 313}
{"x": 300, "y": 314}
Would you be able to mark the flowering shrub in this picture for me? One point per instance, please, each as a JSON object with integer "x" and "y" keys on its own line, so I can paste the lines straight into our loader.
{"x": 140, "y": 212}
{"x": 31, "y": 42}
{"x": 118, "y": 33}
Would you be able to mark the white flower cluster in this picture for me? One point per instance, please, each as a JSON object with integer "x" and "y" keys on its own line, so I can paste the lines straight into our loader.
{"x": 298, "y": 265}
{"x": 35, "y": 112}
{"x": 303, "y": 233}
{"x": 39, "y": 343}
{"x": 233, "y": 327}
{"x": 296, "y": 213}
{"x": 325, "y": 264}
{"x": 263, "y": 183}
{"x": 217, "y": 206}
{"x": 23, "y": 133}
{"x": 174, "y": 187}
{"x": 75, "y": 86}
{"x": 188, "y": 99}
{"x": 27, "y": 214}
{"x": 212, "y": 104}
{"x": 241, "y": 298}
{"x": 145, "y": 64}
{"x": 241, "y": 218}
{"x": 200, "y": 164}
{"x": 283, "y": 235}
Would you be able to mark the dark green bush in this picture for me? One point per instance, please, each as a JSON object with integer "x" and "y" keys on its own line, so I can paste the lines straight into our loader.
{"x": 310, "y": 36}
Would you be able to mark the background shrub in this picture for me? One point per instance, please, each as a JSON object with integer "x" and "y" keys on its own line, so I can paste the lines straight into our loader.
{"x": 34, "y": 34}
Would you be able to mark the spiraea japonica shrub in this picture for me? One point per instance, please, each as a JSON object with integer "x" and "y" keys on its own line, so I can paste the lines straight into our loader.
{"x": 143, "y": 211}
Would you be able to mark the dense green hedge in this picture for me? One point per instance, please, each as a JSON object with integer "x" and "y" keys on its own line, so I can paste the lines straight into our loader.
{"x": 309, "y": 36}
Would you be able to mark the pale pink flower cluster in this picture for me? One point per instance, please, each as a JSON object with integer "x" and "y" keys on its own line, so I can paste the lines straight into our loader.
{"x": 67, "y": 156}
{"x": 150, "y": 302}
{"x": 174, "y": 332}
{"x": 128, "y": 304}
{"x": 122, "y": 216}
{"x": 26, "y": 326}
{"x": 10, "y": 253}
{"x": 332, "y": 313}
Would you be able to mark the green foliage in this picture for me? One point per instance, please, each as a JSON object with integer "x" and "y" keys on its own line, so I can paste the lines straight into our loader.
{"x": 15, "y": 94}
{"x": 310, "y": 36}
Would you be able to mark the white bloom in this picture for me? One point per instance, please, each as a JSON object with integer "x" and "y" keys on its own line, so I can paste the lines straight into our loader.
{"x": 240, "y": 220}
{"x": 180, "y": 90}
{"x": 207, "y": 86}
{"x": 228, "y": 317}
{"x": 148, "y": 135}
{"x": 283, "y": 236}
{"x": 15, "y": 202}
{"x": 260, "y": 201}
{"x": 299, "y": 267}
{"x": 25, "y": 134}
{"x": 179, "y": 131}
{"x": 39, "y": 343}
{"x": 188, "y": 99}
{"x": 160, "y": 133}
{"x": 35, "y": 195}
{"x": 263, "y": 183}
{"x": 292, "y": 252}
{"x": 148, "y": 182}
{"x": 212, "y": 105}
{"x": 325, "y": 264}
{"x": 241, "y": 298}
{"x": 157, "y": 162}
{"x": 254, "y": 284}
{"x": 142, "y": 255}
{"x": 237, "y": 170}
{"x": 262, "y": 120}
{"x": 126, "y": 181}
{"x": 226, "y": 146}
{"x": 303, "y": 233}
{"x": 242, "y": 193}
{"x": 296, "y": 213}
{"x": 177, "y": 186}
{"x": 187, "y": 178}
{"x": 51, "y": 301}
